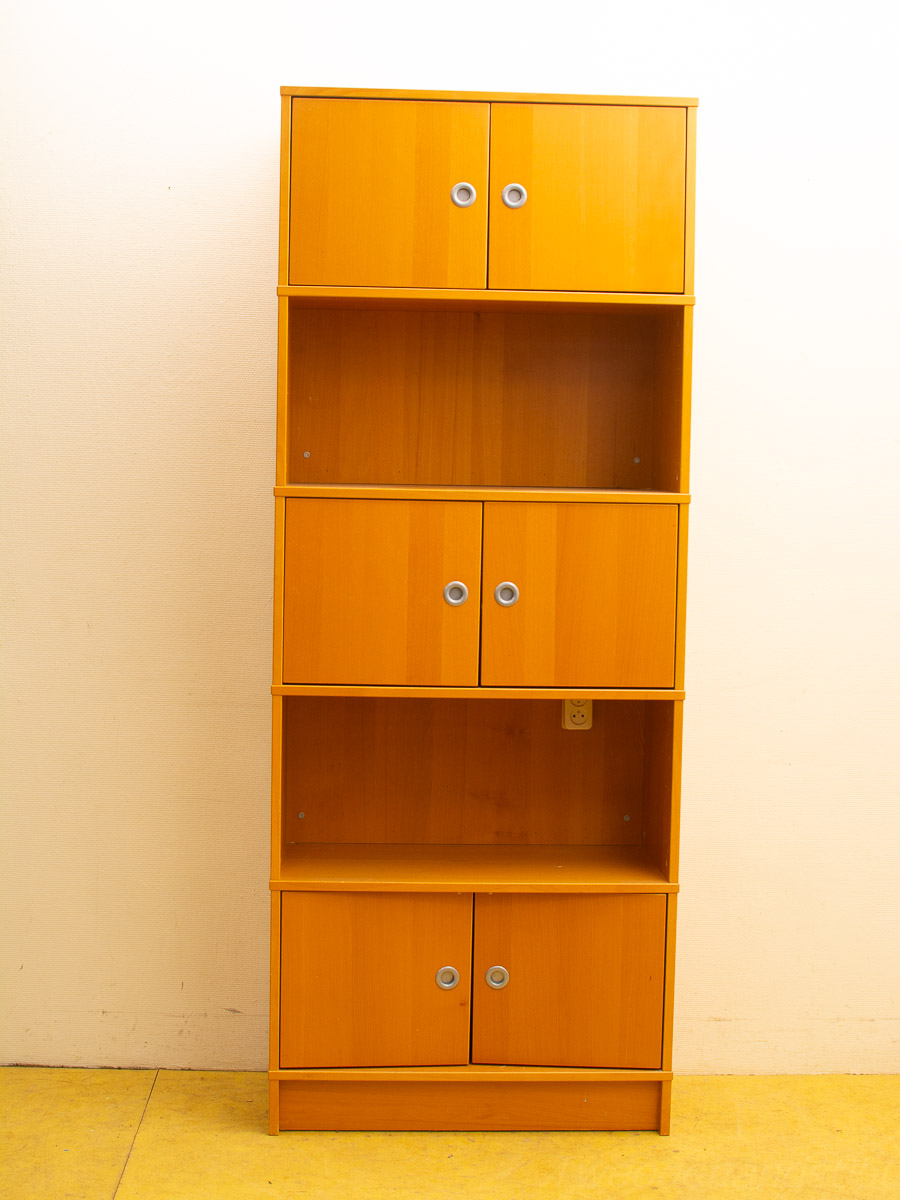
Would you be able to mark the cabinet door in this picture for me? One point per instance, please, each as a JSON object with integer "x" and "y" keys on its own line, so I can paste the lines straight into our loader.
{"x": 605, "y": 189}
{"x": 358, "y": 979}
{"x": 596, "y": 595}
{"x": 364, "y": 588}
{"x": 371, "y": 184}
{"x": 585, "y": 980}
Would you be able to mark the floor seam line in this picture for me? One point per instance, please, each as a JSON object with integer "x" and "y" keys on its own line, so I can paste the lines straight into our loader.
{"x": 136, "y": 1132}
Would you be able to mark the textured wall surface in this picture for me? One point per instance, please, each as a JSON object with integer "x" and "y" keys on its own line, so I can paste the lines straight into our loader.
{"x": 140, "y": 172}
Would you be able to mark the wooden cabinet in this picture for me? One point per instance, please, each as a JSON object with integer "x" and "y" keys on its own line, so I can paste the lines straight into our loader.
{"x": 583, "y": 197}
{"x": 484, "y": 355}
{"x": 385, "y": 980}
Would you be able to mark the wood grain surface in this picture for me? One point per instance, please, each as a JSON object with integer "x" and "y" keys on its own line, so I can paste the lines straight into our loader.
{"x": 370, "y": 193}
{"x": 606, "y": 197}
{"x": 462, "y": 771}
{"x": 585, "y": 980}
{"x": 358, "y": 979}
{"x": 596, "y": 595}
{"x": 567, "y": 400}
{"x": 363, "y": 592}
{"x": 476, "y": 1106}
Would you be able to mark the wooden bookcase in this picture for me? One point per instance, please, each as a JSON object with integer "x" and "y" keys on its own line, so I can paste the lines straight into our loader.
{"x": 481, "y": 513}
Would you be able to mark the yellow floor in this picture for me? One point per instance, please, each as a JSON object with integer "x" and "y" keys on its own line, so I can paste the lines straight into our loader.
{"x": 162, "y": 1135}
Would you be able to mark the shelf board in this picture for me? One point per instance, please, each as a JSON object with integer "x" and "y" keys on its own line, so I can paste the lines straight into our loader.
{"x": 381, "y": 491}
{"x": 464, "y": 868}
{"x": 468, "y": 1073}
{"x": 471, "y": 693}
{"x": 503, "y": 97}
{"x": 475, "y": 299}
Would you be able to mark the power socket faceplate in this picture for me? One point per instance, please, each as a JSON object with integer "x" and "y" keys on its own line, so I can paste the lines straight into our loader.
{"x": 578, "y": 714}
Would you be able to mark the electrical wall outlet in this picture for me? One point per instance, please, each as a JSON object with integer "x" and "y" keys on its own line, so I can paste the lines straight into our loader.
{"x": 578, "y": 714}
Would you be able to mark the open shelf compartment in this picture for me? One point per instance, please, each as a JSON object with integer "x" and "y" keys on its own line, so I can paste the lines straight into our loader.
{"x": 574, "y": 399}
{"x": 476, "y": 795}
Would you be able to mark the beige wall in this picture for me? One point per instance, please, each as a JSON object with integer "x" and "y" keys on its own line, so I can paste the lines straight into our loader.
{"x": 140, "y": 177}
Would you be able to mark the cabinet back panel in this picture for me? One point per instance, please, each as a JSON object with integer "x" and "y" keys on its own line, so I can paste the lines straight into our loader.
{"x": 485, "y": 399}
{"x": 662, "y": 785}
{"x": 494, "y": 772}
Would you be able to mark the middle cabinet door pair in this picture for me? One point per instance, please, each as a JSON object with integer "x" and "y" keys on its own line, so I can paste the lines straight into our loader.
{"x": 398, "y": 979}
{"x": 429, "y": 593}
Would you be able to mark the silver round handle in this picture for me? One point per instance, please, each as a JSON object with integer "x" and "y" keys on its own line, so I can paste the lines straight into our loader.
{"x": 447, "y": 978}
{"x": 496, "y": 977}
{"x": 514, "y": 195}
{"x": 456, "y": 593}
{"x": 506, "y": 594}
{"x": 463, "y": 195}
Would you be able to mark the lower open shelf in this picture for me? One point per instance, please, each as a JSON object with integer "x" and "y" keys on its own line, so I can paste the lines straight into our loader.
{"x": 452, "y": 868}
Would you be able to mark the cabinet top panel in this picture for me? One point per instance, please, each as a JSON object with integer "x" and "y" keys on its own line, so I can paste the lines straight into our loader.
{"x": 505, "y": 97}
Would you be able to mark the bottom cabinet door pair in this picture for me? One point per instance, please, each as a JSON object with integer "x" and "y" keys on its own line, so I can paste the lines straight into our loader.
{"x": 400, "y": 979}
{"x": 410, "y": 592}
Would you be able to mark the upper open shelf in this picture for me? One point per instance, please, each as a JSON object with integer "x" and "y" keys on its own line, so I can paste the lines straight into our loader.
{"x": 457, "y": 397}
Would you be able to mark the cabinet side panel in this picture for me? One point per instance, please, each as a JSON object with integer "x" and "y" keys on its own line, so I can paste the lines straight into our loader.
{"x": 687, "y": 360}
{"x": 661, "y": 758}
{"x": 690, "y": 188}
{"x": 278, "y": 594}
{"x": 275, "y": 982}
{"x": 669, "y": 1003}
{"x": 283, "y": 392}
{"x": 670, "y": 430}
{"x": 284, "y": 204}
{"x": 279, "y": 703}
{"x": 681, "y": 600}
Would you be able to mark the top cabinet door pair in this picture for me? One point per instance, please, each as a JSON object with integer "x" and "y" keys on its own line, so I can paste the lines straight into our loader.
{"x": 599, "y": 205}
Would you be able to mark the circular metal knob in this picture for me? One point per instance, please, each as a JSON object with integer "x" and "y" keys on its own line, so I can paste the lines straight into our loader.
{"x": 506, "y": 594}
{"x": 463, "y": 195}
{"x": 456, "y": 593}
{"x": 514, "y": 195}
{"x": 447, "y": 978}
{"x": 496, "y": 977}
